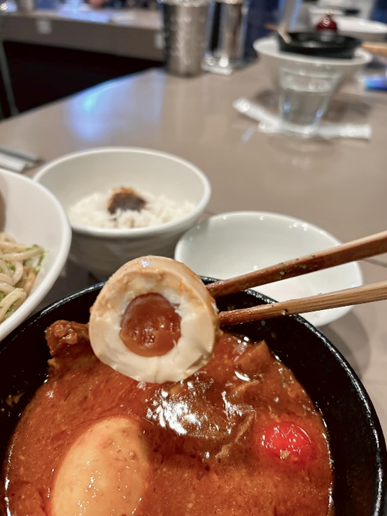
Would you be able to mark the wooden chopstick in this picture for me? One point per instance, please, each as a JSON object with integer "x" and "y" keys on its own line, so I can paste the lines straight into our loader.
{"x": 348, "y": 297}
{"x": 338, "y": 255}
{"x": 375, "y": 48}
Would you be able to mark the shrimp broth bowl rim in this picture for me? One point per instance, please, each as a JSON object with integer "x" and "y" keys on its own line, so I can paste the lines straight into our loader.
{"x": 269, "y": 215}
{"x": 133, "y": 233}
{"x": 38, "y": 294}
{"x": 39, "y": 321}
{"x": 182, "y": 253}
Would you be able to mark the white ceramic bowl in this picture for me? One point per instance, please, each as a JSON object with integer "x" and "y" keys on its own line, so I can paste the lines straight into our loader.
{"x": 364, "y": 29}
{"x": 32, "y": 215}
{"x": 103, "y": 251}
{"x": 230, "y": 244}
{"x": 272, "y": 58}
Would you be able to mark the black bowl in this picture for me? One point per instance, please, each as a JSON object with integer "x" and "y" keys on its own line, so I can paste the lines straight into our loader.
{"x": 320, "y": 44}
{"x": 356, "y": 439}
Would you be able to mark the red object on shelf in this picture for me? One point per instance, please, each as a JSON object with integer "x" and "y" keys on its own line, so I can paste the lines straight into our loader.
{"x": 327, "y": 23}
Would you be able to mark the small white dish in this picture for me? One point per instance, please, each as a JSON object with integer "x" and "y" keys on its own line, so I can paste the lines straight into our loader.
{"x": 230, "y": 244}
{"x": 367, "y": 30}
{"x": 103, "y": 250}
{"x": 272, "y": 58}
{"x": 32, "y": 215}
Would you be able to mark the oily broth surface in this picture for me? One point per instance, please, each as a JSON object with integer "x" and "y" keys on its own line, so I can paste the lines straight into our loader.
{"x": 196, "y": 444}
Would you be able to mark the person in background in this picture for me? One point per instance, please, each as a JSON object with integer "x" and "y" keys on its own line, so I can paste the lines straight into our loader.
{"x": 380, "y": 11}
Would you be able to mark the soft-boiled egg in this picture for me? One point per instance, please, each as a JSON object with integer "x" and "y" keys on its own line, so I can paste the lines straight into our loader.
{"x": 104, "y": 472}
{"x": 154, "y": 321}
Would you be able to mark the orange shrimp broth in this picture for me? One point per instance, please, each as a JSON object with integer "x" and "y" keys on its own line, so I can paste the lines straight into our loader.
{"x": 239, "y": 437}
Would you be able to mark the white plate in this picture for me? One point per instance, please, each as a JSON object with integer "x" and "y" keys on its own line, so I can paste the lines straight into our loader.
{"x": 230, "y": 244}
{"x": 32, "y": 215}
{"x": 272, "y": 58}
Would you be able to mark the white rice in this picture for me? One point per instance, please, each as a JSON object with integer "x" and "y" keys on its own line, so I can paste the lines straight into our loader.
{"x": 93, "y": 211}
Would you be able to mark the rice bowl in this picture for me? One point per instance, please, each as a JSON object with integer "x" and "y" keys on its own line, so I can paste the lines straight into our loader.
{"x": 103, "y": 250}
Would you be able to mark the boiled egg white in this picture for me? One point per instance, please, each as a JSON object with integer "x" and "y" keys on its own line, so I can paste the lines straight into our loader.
{"x": 199, "y": 326}
{"x": 105, "y": 471}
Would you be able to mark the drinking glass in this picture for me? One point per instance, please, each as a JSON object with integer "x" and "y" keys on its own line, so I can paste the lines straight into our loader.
{"x": 304, "y": 95}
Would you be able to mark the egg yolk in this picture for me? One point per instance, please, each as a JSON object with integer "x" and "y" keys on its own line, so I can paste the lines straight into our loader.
{"x": 150, "y": 326}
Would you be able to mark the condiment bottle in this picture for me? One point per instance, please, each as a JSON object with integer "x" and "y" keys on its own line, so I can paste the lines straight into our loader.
{"x": 327, "y": 24}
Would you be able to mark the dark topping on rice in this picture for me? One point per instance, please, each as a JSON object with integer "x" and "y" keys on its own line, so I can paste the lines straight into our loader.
{"x": 125, "y": 199}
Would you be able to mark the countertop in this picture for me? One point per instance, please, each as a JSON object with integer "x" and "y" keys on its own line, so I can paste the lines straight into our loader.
{"x": 123, "y": 32}
{"x": 339, "y": 185}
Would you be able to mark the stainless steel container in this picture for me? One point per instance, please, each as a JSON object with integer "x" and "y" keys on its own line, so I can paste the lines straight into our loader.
{"x": 185, "y": 25}
{"x": 226, "y": 35}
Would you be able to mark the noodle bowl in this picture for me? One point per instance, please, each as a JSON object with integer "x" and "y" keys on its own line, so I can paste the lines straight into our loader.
{"x": 29, "y": 214}
{"x": 19, "y": 266}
